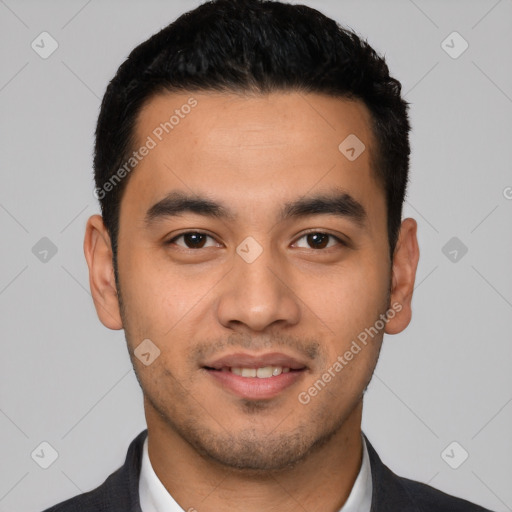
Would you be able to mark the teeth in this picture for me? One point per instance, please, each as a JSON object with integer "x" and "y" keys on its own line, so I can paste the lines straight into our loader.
{"x": 248, "y": 372}
{"x": 262, "y": 373}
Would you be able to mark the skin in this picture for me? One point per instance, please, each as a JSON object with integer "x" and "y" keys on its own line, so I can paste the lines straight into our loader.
{"x": 211, "y": 449}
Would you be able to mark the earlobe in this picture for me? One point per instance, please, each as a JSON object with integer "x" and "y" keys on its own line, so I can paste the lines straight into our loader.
{"x": 98, "y": 253}
{"x": 405, "y": 262}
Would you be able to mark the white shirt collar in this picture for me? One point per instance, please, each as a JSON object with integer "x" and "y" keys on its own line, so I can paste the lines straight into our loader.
{"x": 154, "y": 497}
{"x": 360, "y": 497}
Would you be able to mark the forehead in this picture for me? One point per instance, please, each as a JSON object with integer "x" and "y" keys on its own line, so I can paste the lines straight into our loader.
{"x": 253, "y": 149}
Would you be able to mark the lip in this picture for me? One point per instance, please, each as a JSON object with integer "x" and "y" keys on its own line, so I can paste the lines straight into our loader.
{"x": 254, "y": 388}
{"x": 245, "y": 360}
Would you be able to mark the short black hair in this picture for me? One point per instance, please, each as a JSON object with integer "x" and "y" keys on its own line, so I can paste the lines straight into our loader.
{"x": 253, "y": 46}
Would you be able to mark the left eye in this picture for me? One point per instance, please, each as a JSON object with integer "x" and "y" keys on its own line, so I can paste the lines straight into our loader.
{"x": 319, "y": 240}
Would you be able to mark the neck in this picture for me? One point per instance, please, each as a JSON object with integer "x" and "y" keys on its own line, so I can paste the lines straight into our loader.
{"x": 322, "y": 481}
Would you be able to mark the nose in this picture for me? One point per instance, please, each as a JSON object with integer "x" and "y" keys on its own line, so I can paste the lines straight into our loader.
{"x": 258, "y": 294}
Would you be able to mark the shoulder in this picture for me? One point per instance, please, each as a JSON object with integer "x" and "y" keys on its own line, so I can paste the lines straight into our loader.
{"x": 96, "y": 500}
{"x": 393, "y": 493}
{"x": 118, "y": 493}
{"x": 428, "y": 498}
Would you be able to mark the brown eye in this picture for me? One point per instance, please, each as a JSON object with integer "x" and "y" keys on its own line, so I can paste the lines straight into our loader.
{"x": 192, "y": 240}
{"x": 319, "y": 240}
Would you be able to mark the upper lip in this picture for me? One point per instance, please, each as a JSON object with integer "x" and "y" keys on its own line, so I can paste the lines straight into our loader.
{"x": 246, "y": 360}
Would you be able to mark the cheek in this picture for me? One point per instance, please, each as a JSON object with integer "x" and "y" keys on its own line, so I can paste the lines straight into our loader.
{"x": 349, "y": 305}
{"x": 348, "y": 298}
{"x": 163, "y": 300}
{"x": 153, "y": 297}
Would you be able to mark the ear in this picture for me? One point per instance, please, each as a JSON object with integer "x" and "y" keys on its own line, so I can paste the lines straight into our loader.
{"x": 98, "y": 253}
{"x": 405, "y": 262}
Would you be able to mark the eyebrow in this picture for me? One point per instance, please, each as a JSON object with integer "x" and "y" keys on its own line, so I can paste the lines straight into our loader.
{"x": 338, "y": 203}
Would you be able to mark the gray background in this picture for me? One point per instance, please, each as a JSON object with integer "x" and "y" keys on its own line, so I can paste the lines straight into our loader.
{"x": 67, "y": 380}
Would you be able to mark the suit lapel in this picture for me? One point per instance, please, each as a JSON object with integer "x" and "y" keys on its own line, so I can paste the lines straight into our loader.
{"x": 121, "y": 489}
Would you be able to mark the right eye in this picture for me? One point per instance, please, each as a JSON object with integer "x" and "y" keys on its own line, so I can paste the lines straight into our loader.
{"x": 192, "y": 240}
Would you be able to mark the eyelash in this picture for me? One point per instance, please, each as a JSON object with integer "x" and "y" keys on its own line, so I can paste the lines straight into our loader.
{"x": 339, "y": 240}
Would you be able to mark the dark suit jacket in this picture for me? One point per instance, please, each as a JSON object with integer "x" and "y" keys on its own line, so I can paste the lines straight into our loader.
{"x": 391, "y": 493}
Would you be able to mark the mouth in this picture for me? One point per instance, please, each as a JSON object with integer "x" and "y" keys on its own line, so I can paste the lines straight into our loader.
{"x": 263, "y": 372}
{"x": 256, "y": 377}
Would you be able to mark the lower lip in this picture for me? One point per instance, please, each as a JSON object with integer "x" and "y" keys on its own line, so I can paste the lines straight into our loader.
{"x": 254, "y": 388}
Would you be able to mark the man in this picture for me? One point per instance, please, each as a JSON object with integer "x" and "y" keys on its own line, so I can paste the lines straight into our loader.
{"x": 251, "y": 163}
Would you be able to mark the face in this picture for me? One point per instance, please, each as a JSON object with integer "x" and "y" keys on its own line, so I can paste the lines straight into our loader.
{"x": 253, "y": 254}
